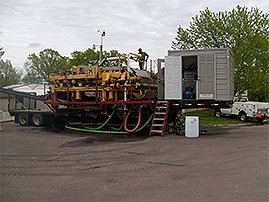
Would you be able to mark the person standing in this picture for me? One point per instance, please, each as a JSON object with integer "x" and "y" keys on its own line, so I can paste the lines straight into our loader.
{"x": 142, "y": 58}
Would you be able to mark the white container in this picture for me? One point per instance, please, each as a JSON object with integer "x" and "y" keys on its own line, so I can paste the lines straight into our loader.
{"x": 207, "y": 73}
{"x": 192, "y": 126}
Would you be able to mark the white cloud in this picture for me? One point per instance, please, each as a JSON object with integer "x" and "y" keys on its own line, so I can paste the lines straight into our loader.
{"x": 28, "y": 26}
{"x": 35, "y": 45}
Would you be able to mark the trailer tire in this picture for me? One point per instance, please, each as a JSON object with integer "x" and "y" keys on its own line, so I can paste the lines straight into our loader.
{"x": 23, "y": 119}
{"x": 242, "y": 116}
{"x": 217, "y": 113}
{"x": 38, "y": 119}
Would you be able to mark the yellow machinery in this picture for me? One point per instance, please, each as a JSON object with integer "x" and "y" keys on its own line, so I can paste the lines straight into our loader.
{"x": 102, "y": 83}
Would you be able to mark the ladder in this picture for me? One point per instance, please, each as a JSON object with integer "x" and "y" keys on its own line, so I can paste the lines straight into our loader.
{"x": 160, "y": 118}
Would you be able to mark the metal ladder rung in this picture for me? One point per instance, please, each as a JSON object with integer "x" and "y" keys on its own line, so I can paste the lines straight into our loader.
{"x": 162, "y": 102}
{"x": 161, "y": 107}
{"x": 159, "y": 112}
{"x": 156, "y": 131}
{"x": 158, "y": 125}
{"x": 158, "y": 119}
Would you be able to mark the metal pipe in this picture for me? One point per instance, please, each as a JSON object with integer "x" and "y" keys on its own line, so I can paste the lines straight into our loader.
{"x": 128, "y": 66}
{"x": 114, "y": 58}
{"x": 101, "y": 52}
{"x": 102, "y": 34}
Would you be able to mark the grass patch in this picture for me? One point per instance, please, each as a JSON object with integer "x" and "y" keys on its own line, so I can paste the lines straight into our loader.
{"x": 207, "y": 118}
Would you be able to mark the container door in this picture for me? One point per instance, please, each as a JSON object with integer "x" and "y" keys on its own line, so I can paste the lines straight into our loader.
{"x": 205, "y": 83}
{"x": 173, "y": 78}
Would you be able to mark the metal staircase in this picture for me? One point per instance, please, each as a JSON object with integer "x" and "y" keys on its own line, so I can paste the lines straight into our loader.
{"x": 160, "y": 118}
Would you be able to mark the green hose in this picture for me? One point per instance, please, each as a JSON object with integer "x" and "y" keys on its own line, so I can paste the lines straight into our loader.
{"x": 118, "y": 129}
{"x": 141, "y": 128}
{"x": 96, "y": 131}
{"x": 107, "y": 131}
{"x": 108, "y": 119}
{"x": 113, "y": 128}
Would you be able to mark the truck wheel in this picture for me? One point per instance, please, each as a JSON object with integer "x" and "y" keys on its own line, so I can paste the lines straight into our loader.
{"x": 38, "y": 119}
{"x": 217, "y": 113}
{"x": 242, "y": 116}
{"x": 23, "y": 119}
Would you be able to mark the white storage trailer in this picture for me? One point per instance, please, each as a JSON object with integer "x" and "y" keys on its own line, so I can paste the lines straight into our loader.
{"x": 198, "y": 75}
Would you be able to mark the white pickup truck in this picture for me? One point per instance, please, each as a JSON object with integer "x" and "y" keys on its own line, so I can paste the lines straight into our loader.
{"x": 245, "y": 109}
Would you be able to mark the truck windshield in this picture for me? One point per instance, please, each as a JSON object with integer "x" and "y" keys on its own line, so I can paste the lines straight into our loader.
{"x": 240, "y": 99}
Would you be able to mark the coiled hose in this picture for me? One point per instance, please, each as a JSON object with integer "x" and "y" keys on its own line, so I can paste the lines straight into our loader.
{"x": 138, "y": 121}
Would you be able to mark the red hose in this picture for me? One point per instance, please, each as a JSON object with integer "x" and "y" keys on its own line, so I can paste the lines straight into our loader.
{"x": 138, "y": 122}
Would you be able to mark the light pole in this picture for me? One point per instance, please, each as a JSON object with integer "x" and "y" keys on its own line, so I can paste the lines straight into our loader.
{"x": 102, "y": 35}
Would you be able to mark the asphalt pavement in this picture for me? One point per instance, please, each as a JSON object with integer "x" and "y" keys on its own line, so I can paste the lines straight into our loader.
{"x": 223, "y": 164}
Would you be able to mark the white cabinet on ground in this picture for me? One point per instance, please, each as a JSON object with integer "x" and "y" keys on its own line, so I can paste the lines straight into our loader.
{"x": 192, "y": 126}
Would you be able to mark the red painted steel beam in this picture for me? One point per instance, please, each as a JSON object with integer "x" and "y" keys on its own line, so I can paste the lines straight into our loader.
{"x": 103, "y": 102}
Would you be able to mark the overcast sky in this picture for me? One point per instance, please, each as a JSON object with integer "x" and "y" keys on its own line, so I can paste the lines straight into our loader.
{"x": 29, "y": 26}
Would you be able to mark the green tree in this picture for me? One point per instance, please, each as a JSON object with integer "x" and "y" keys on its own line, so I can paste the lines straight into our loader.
{"x": 8, "y": 74}
{"x": 39, "y": 67}
{"x": 245, "y": 32}
{"x": 112, "y": 53}
{"x": 1, "y": 52}
{"x": 88, "y": 57}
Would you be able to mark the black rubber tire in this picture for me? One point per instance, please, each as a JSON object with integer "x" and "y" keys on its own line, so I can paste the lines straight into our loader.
{"x": 217, "y": 113}
{"x": 242, "y": 116}
{"x": 23, "y": 119}
{"x": 37, "y": 119}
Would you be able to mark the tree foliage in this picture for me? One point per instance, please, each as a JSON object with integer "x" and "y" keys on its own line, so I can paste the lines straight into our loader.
{"x": 245, "y": 32}
{"x": 8, "y": 74}
{"x": 39, "y": 67}
{"x": 48, "y": 61}
{"x": 1, "y": 52}
{"x": 89, "y": 57}
{"x": 113, "y": 53}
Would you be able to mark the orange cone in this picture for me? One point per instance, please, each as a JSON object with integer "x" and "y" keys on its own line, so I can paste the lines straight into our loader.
{"x": 259, "y": 115}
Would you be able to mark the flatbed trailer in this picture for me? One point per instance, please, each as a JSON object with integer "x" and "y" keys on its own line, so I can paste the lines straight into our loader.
{"x": 81, "y": 110}
{"x": 97, "y": 114}
{"x": 35, "y": 117}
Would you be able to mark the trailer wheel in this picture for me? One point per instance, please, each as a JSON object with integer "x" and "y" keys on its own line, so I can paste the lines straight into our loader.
{"x": 242, "y": 116}
{"x": 23, "y": 119}
{"x": 38, "y": 119}
{"x": 217, "y": 113}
